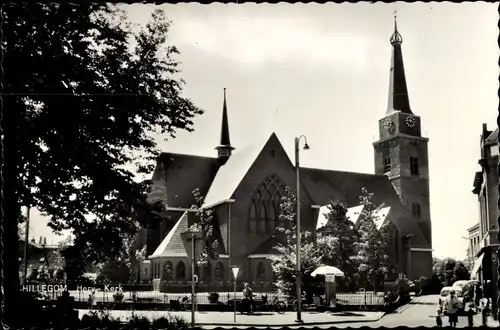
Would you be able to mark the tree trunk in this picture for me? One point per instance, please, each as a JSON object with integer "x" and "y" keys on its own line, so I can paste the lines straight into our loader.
{"x": 12, "y": 213}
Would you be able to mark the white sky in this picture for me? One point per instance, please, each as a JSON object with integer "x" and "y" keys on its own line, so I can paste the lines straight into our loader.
{"x": 325, "y": 67}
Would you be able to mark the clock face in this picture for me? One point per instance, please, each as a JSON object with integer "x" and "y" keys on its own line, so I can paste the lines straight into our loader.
{"x": 389, "y": 125}
{"x": 410, "y": 121}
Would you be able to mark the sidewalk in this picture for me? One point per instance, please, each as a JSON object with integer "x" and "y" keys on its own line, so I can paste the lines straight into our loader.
{"x": 257, "y": 319}
{"x": 478, "y": 320}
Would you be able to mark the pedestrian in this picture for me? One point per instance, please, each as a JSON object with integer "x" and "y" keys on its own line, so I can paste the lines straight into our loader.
{"x": 451, "y": 306}
{"x": 478, "y": 294}
{"x": 484, "y": 311}
{"x": 439, "y": 317}
{"x": 247, "y": 298}
{"x": 469, "y": 309}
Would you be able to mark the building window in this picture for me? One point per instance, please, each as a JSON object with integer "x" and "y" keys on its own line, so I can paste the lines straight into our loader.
{"x": 273, "y": 153}
{"x": 180, "y": 270}
{"x": 253, "y": 217}
{"x": 414, "y": 166}
{"x": 207, "y": 270}
{"x": 219, "y": 271}
{"x": 261, "y": 272}
{"x": 168, "y": 271}
{"x": 145, "y": 271}
{"x": 265, "y": 208}
{"x": 387, "y": 164}
{"x": 416, "y": 210}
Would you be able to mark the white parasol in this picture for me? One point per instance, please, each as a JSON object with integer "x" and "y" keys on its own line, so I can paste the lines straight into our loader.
{"x": 327, "y": 270}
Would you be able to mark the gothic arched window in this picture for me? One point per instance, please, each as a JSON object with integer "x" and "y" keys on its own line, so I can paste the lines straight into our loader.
{"x": 167, "y": 270}
{"x": 261, "y": 272}
{"x": 253, "y": 217}
{"x": 265, "y": 208}
{"x": 180, "y": 270}
{"x": 219, "y": 270}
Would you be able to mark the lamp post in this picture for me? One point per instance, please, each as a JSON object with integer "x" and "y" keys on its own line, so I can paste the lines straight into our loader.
{"x": 299, "y": 277}
{"x": 235, "y": 274}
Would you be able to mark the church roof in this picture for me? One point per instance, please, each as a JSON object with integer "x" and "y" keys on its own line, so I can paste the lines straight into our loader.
{"x": 185, "y": 173}
{"x": 353, "y": 214}
{"x": 230, "y": 175}
{"x": 345, "y": 187}
{"x": 172, "y": 245}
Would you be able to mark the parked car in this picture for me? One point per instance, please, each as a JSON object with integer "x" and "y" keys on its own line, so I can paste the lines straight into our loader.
{"x": 445, "y": 292}
{"x": 467, "y": 288}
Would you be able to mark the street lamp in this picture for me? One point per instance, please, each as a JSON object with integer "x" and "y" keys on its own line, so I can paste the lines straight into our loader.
{"x": 299, "y": 277}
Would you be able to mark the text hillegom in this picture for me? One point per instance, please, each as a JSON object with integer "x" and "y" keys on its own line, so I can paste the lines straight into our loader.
{"x": 64, "y": 287}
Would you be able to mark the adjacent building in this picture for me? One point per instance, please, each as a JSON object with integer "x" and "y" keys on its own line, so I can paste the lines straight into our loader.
{"x": 486, "y": 189}
{"x": 244, "y": 187}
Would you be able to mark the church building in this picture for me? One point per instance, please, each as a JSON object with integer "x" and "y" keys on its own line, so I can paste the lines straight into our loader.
{"x": 244, "y": 186}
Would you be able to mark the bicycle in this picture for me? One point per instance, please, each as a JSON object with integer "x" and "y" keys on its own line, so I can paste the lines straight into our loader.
{"x": 277, "y": 305}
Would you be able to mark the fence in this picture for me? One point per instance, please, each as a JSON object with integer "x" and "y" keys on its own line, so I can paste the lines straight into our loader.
{"x": 347, "y": 299}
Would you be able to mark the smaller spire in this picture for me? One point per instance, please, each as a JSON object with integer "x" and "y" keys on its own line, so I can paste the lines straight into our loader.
{"x": 396, "y": 37}
{"x": 224, "y": 149}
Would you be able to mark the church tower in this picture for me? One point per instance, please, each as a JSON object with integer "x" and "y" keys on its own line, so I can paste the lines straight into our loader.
{"x": 401, "y": 152}
{"x": 224, "y": 150}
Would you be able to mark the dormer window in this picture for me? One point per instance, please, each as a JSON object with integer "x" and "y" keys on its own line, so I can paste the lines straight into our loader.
{"x": 414, "y": 166}
{"x": 387, "y": 164}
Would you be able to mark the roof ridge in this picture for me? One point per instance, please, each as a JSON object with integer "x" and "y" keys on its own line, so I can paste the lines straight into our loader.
{"x": 163, "y": 154}
{"x": 342, "y": 171}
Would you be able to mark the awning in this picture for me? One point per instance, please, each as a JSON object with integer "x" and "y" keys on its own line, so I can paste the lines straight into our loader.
{"x": 477, "y": 264}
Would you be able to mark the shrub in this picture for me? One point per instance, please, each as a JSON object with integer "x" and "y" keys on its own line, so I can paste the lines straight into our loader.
{"x": 100, "y": 319}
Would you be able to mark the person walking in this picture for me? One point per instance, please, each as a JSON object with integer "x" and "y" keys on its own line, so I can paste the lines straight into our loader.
{"x": 484, "y": 311}
{"x": 451, "y": 306}
{"x": 247, "y": 298}
{"x": 470, "y": 311}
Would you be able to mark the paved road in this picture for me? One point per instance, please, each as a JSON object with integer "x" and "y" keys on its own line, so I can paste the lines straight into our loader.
{"x": 420, "y": 312}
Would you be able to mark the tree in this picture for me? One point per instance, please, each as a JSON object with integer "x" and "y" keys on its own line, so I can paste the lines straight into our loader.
{"x": 372, "y": 260}
{"x": 84, "y": 94}
{"x": 124, "y": 268}
{"x": 335, "y": 242}
{"x": 285, "y": 265}
{"x": 449, "y": 270}
{"x": 204, "y": 222}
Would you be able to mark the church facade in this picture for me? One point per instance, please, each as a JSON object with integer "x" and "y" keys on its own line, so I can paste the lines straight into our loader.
{"x": 244, "y": 186}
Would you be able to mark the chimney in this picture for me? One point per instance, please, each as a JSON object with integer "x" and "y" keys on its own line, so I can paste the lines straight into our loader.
{"x": 33, "y": 240}
{"x": 40, "y": 240}
{"x": 45, "y": 241}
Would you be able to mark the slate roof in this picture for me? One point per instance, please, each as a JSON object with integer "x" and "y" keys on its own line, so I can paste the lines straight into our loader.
{"x": 185, "y": 173}
{"x": 353, "y": 214}
{"x": 345, "y": 187}
{"x": 230, "y": 175}
{"x": 172, "y": 245}
{"x": 49, "y": 257}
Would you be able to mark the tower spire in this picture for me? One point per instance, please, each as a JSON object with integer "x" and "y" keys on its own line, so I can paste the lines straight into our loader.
{"x": 224, "y": 149}
{"x": 398, "y": 91}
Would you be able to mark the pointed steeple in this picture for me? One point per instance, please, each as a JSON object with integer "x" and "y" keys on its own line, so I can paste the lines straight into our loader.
{"x": 398, "y": 92}
{"x": 224, "y": 149}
